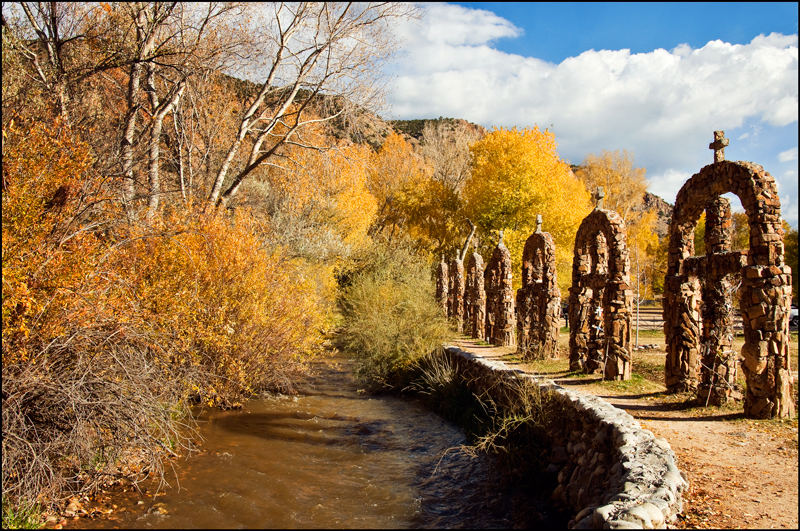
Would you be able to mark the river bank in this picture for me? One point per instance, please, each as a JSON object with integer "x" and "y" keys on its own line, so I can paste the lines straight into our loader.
{"x": 331, "y": 456}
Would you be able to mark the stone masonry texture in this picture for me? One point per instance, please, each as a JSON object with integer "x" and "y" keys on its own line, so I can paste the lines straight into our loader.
{"x": 601, "y": 298}
{"x": 475, "y": 296}
{"x": 765, "y": 292}
{"x": 442, "y": 285}
{"x": 610, "y": 472}
{"x": 717, "y": 383}
{"x": 539, "y": 299}
{"x": 500, "y": 314}
{"x": 456, "y": 293}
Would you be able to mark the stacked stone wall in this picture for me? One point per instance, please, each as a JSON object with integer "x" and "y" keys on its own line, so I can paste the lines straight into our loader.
{"x": 442, "y": 286}
{"x": 609, "y": 471}
{"x": 539, "y": 299}
{"x": 765, "y": 292}
{"x": 601, "y": 298}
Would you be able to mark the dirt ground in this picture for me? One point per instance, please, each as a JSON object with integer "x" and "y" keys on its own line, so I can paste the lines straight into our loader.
{"x": 743, "y": 473}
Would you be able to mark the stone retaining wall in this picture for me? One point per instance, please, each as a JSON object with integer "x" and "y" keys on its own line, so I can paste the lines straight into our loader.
{"x": 611, "y": 473}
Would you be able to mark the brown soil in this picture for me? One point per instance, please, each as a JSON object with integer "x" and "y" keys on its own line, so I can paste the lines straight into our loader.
{"x": 742, "y": 473}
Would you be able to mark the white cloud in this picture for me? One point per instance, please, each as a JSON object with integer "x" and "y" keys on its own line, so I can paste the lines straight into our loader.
{"x": 789, "y": 154}
{"x": 682, "y": 50}
{"x": 668, "y": 183}
{"x": 662, "y": 105}
{"x": 789, "y": 210}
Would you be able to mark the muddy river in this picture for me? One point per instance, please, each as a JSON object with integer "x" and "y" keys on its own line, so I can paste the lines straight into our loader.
{"x": 329, "y": 457}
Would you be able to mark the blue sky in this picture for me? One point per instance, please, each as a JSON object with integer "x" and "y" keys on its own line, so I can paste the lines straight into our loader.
{"x": 655, "y": 79}
{"x": 640, "y": 27}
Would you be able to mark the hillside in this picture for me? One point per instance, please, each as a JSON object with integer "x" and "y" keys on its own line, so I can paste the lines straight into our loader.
{"x": 662, "y": 208}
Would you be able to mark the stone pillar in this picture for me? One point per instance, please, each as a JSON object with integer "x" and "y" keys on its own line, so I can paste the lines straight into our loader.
{"x": 500, "y": 315}
{"x": 766, "y": 299}
{"x": 718, "y": 359}
{"x": 765, "y": 304}
{"x": 597, "y": 351}
{"x": 456, "y": 313}
{"x": 539, "y": 299}
{"x": 442, "y": 282}
{"x": 682, "y": 331}
{"x": 475, "y": 297}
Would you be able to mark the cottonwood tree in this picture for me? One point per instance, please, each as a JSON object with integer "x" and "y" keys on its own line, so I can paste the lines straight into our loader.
{"x": 624, "y": 185}
{"x": 310, "y": 52}
{"x": 156, "y": 46}
{"x": 435, "y": 210}
{"x": 171, "y": 42}
{"x": 47, "y": 34}
{"x": 394, "y": 173}
{"x": 517, "y": 174}
{"x": 445, "y": 146}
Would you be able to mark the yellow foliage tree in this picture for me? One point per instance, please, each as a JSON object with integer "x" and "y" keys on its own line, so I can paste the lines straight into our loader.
{"x": 395, "y": 172}
{"x": 516, "y": 175}
{"x": 624, "y": 185}
{"x": 433, "y": 209}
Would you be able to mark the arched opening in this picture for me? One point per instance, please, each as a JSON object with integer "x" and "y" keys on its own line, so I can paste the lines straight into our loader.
{"x": 600, "y": 304}
{"x": 538, "y": 299}
{"x": 764, "y": 297}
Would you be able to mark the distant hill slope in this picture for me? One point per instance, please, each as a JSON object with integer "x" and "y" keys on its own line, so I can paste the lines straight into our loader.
{"x": 662, "y": 208}
{"x": 365, "y": 127}
{"x": 413, "y": 128}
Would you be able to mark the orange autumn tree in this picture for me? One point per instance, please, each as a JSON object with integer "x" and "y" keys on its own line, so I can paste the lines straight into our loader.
{"x": 145, "y": 317}
{"x": 395, "y": 171}
{"x": 517, "y": 174}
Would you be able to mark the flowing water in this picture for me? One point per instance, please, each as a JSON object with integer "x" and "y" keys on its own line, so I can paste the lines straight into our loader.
{"x": 329, "y": 457}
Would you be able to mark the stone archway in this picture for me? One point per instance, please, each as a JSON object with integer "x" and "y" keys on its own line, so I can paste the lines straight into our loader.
{"x": 766, "y": 286}
{"x": 456, "y": 293}
{"x": 539, "y": 299}
{"x": 601, "y": 299}
{"x": 475, "y": 295}
{"x": 500, "y": 326}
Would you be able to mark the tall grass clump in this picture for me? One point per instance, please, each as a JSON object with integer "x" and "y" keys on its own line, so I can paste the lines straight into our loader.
{"x": 390, "y": 316}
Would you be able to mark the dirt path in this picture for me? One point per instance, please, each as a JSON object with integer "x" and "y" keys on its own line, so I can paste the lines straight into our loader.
{"x": 742, "y": 473}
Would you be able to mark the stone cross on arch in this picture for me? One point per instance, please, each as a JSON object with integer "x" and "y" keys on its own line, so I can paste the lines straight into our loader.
{"x": 598, "y": 197}
{"x": 718, "y": 145}
{"x": 538, "y": 223}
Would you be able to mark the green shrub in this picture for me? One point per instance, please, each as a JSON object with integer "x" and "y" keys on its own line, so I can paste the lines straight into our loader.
{"x": 390, "y": 316}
